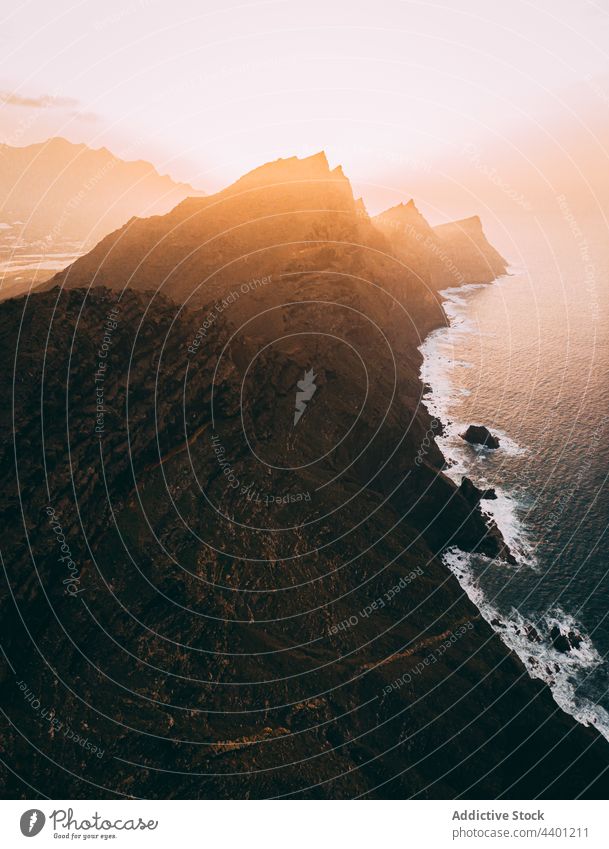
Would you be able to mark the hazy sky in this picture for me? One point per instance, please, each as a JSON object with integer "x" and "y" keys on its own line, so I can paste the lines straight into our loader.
{"x": 209, "y": 89}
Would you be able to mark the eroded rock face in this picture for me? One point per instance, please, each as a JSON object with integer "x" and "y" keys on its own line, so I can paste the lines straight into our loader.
{"x": 464, "y": 246}
{"x": 474, "y": 494}
{"x": 480, "y": 435}
{"x": 268, "y": 650}
{"x": 251, "y": 599}
{"x": 448, "y": 255}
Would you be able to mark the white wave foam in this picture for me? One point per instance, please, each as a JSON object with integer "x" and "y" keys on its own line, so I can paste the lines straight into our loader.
{"x": 533, "y": 642}
{"x": 541, "y": 659}
{"x": 503, "y": 511}
{"x": 464, "y": 459}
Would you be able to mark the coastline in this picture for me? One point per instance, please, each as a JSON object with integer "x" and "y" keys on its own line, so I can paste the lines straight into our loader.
{"x": 358, "y": 685}
{"x": 469, "y": 724}
{"x": 525, "y": 638}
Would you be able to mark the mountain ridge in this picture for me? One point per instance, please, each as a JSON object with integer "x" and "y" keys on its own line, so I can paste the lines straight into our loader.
{"x": 261, "y": 605}
{"x": 302, "y": 198}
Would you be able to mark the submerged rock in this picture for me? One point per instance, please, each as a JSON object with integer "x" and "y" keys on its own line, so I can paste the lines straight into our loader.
{"x": 480, "y": 435}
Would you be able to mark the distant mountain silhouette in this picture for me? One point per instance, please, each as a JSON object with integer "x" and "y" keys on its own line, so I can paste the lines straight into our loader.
{"x": 59, "y": 190}
{"x": 466, "y": 245}
{"x": 447, "y": 255}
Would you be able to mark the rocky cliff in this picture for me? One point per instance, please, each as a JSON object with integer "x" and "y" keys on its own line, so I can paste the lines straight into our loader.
{"x": 467, "y": 247}
{"x": 221, "y": 600}
{"x": 448, "y": 255}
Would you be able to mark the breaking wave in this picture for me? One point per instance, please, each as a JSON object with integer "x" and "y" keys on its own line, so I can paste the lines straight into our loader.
{"x": 552, "y": 645}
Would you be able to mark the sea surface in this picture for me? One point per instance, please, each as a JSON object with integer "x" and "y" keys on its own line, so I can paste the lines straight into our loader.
{"x": 528, "y": 356}
{"x": 25, "y": 263}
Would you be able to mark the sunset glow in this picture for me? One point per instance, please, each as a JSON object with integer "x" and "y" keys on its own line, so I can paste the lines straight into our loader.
{"x": 384, "y": 95}
{"x": 304, "y": 452}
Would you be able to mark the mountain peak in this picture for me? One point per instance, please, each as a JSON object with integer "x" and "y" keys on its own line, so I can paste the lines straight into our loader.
{"x": 59, "y": 143}
{"x": 471, "y": 225}
{"x": 291, "y": 169}
{"x": 318, "y": 159}
{"x": 360, "y": 208}
{"x": 403, "y": 214}
{"x": 466, "y": 238}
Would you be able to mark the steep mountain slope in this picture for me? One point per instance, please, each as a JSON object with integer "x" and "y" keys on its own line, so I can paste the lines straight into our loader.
{"x": 467, "y": 247}
{"x": 249, "y": 606}
{"x": 287, "y": 216}
{"x": 57, "y": 190}
{"x": 268, "y": 219}
{"x": 448, "y": 255}
{"x": 285, "y": 627}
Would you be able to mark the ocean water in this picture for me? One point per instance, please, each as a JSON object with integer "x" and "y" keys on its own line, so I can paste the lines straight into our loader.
{"x": 24, "y": 261}
{"x": 528, "y": 356}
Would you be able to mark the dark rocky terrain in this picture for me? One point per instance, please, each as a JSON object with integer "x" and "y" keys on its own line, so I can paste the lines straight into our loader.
{"x": 250, "y": 608}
